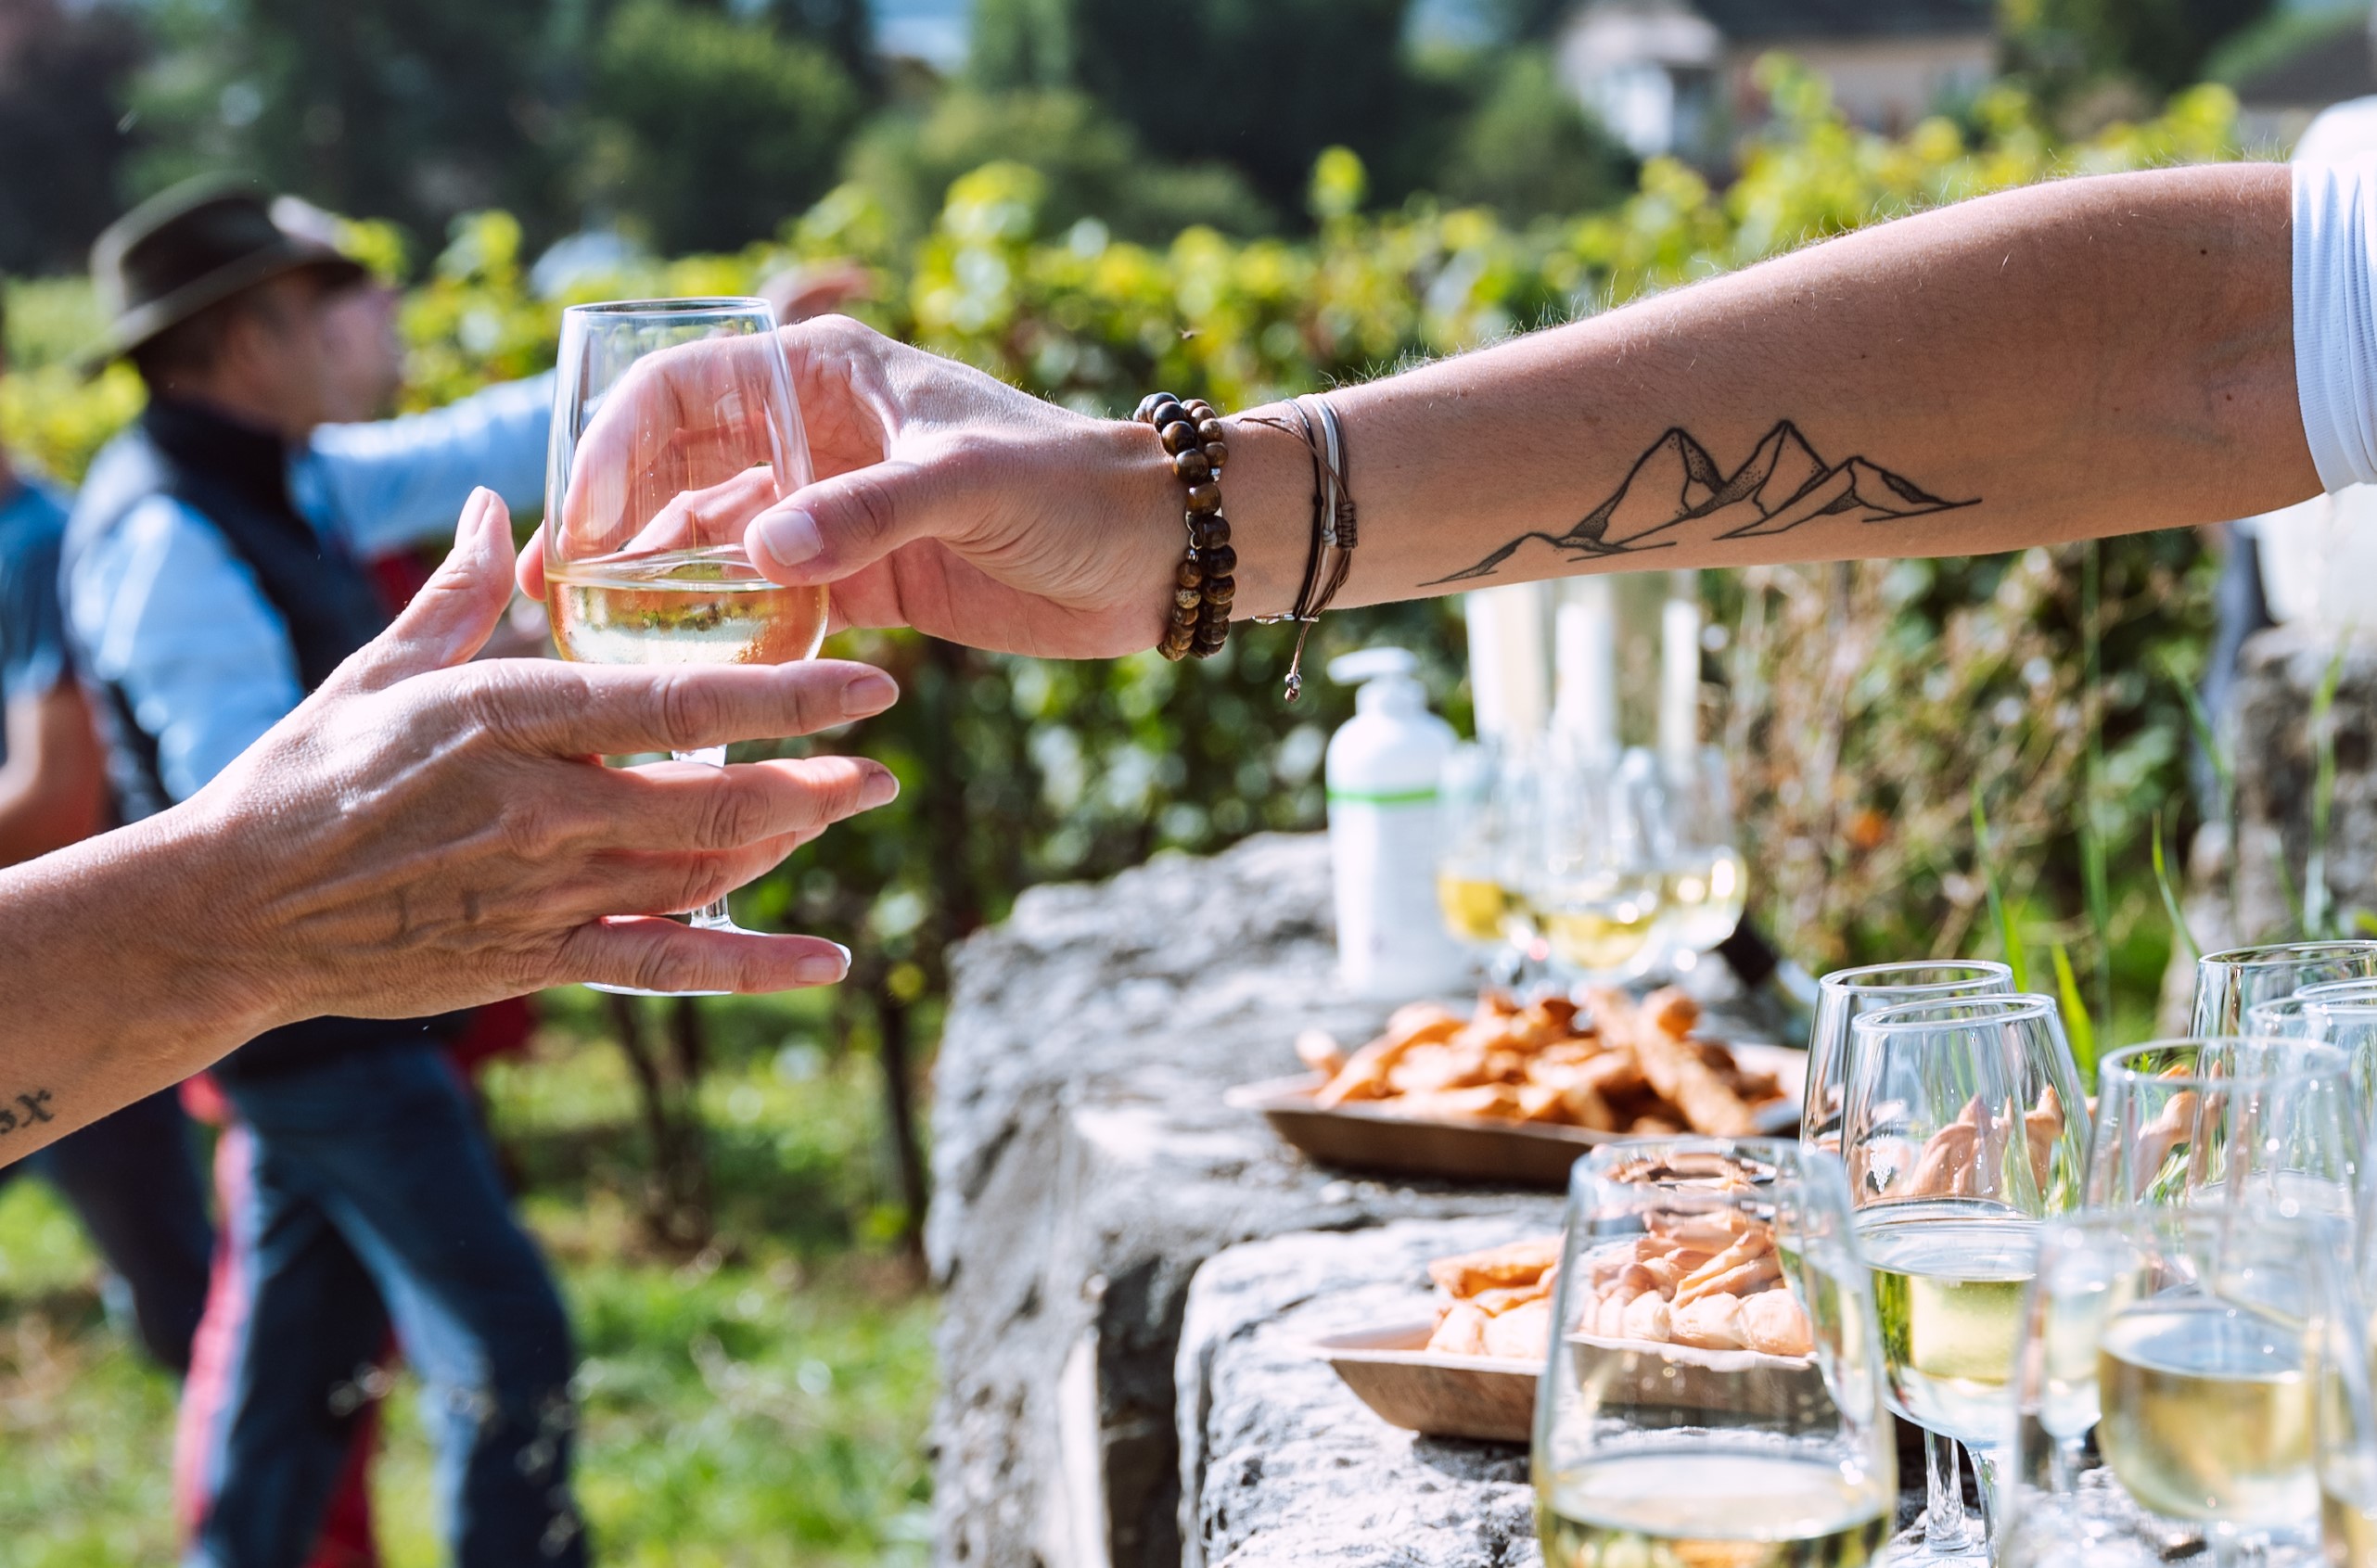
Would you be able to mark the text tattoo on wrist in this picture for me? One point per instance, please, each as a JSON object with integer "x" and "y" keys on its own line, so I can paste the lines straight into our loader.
{"x": 1676, "y": 493}
{"x": 25, "y": 1111}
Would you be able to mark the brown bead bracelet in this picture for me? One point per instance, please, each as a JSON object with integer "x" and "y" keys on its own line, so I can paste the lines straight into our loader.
{"x": 1204, "y": 586}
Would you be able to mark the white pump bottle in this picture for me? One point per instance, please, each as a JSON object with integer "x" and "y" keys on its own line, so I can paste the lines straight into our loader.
{"x": 1383, "y": 771}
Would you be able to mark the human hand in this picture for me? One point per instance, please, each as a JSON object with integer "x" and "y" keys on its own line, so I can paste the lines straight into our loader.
{"x": 944, "y": 500}
{"x": 425, "y": 833}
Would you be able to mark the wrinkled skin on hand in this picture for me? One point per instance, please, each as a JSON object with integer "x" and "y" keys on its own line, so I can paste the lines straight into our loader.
{"x": 425, "y": 833}
{"x": 944, "y": 500}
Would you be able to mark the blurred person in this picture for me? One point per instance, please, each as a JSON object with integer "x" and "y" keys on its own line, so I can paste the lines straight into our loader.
{"x": 131, "y": 1178}
{"x": 214, "y": 575}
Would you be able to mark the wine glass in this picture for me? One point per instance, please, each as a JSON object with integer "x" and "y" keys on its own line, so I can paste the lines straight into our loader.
{"x": 1593, "y": 890}
{"x": 673, "y": 426}
{"x": 2229, "y": 984}
{"x": 2344, "y": 1014}
{"x": 1963, "y": 1126}
{"x": 2190, "y": 1123}
{"x": 1705, "y": 885}
{"x": 2205, "y": 1352}
{"x": 1714, "y": 1390}
{"x": 1842, "y": 997}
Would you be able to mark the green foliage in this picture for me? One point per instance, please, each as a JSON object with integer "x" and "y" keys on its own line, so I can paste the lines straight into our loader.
{"x": 712, "y": 129}
{"x": 761, "y": 1404}
{"x": 59, "y": 133}
{"x": 1093, "y": 166}
{"x": 2284, "y": 34}
{"x": 1854, "y": 689}
{"x": 1265, "y": 85}
{"x": 2163, "y": 43}
{"x": 1528, "y": 151}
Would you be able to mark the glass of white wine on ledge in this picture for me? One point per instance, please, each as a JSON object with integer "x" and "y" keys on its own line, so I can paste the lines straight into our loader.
{"x": 2192, "y": 1389}
{"x": 1734, "y": 1416}
{"x": 653, "y": 479}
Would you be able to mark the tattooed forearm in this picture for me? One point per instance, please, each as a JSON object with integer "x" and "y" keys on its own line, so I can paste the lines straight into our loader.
{"x": 25, "y": 1111}
{"x": 1675, "y": 494}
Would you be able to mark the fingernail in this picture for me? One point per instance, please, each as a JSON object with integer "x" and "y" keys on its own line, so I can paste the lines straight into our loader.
{"x": 870, "y": 690}
{"x": 821, "y": 969}
{"x": 880, "y": 789}
{"x": 789, "y": 539}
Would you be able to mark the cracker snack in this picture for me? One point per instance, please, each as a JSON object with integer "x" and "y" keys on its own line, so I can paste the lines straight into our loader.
{"x": 1612, "y": 1065}
{"x": 1497, "y": 1302}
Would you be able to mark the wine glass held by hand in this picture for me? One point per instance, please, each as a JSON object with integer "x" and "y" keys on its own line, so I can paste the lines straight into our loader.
{"x": 2218, "y": 1360}
{"x": 1963, "y": 1129}
{"x": 1714, "y": 1393}
{"x": 674, "y": 425}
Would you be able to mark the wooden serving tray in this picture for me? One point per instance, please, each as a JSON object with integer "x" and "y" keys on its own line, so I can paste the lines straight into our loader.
{"x": 1392, "y": 1370}
{"x": 1405, "y": 1384}
{"x": 1505, "y": 1153}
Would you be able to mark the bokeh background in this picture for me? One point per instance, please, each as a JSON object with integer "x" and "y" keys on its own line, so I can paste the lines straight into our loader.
{"x": 1239, "y": 198}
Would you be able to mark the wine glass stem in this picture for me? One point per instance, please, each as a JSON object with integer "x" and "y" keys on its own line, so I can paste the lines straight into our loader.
{"x": 1945, "y": 1527}
{"x": 711, "y": 916}
{"x": 1986, "y": 1472}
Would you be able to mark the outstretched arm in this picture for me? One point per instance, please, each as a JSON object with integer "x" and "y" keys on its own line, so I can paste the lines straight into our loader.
{"x": 421, "y": 834}
{"x": 2090, "y": 357}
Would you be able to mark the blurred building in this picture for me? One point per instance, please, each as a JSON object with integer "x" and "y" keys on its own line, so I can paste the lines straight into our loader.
{"x": 1674, "y": 76}
{"x": 2327, "y": 58}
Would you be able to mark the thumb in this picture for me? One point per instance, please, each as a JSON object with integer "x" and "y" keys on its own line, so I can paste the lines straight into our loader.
{"x": 836, "y": 527}
{"x": 456, "y": 610}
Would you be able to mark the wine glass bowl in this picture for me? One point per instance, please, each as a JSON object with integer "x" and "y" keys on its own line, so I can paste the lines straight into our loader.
{"x": 1963, "y": 1127}
{"x": 2193, "y": 1350}
{"x": 675, "y": 427}
{"x": 2229, "y": 984}
{"x": 2187, "y": 1123}
{"x": 1713, "y": 1392}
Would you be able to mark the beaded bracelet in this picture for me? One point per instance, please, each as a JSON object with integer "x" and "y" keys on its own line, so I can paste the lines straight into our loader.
{"x": 1204, "y": 586}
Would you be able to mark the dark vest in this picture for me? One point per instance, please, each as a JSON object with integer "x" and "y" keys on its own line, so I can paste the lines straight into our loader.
{"x": 237, "y": 479}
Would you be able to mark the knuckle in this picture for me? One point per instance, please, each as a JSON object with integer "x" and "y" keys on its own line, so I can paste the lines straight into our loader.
{"x": 733, "y": 815}
{"x": 686, "y": 708}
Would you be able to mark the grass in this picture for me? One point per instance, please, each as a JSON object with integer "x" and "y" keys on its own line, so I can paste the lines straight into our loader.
{"x": 761, "y": 1404}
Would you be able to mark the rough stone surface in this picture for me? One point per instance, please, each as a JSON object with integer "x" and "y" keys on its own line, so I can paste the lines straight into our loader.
{"x": 2248, "y": 888}
{"x": 1085, "y": 1167}
{"x": 1282, "y": 1467}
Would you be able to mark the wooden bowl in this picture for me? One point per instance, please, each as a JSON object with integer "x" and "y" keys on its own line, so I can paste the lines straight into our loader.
{"x": 1503, "y": 1153}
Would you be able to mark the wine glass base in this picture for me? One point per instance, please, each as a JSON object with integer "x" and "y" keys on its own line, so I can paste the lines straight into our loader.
{"x": 1910, "y": 1545}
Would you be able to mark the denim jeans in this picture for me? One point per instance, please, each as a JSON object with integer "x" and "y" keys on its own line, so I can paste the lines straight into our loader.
{"x": 133, "y": 1179}
{"x": 366, "y": 1180}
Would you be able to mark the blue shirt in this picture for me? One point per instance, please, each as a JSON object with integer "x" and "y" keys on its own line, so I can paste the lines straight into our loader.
{"x": 32, "y": 626}
{"x": 163, "y": 609}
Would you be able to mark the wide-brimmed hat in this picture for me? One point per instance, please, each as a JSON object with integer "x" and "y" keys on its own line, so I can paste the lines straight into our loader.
{"x": 191, "y": 247}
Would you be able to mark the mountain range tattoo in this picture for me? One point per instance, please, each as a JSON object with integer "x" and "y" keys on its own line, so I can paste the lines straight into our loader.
{"x": 1675, "y": 490}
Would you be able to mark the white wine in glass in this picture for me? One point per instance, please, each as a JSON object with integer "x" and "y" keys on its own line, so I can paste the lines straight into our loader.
{"x": 707, "y": 605}
{"x": 1948, "y": 1284}
{"x": 1653, "y": 1511}
{"x": 2207, "y": 1412}
{"x": 1705, "y": 894}
{"x": 675, "y": 426}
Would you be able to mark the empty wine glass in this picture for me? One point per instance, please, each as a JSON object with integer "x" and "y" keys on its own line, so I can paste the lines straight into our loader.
{"x": 2190, "y": 1123}
{"x": 1963, "y": 1126}
{"x": 1714, "y": 1388}
{"x": 674, "y": 425}
{"x": 2192, "y": 1350}
{"x": 2344, "y": 1014}
{"x": 2229, "y": 984}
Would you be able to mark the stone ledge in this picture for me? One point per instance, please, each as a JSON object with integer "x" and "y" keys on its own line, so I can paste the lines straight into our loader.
{"x": 1282, "y": 1465}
